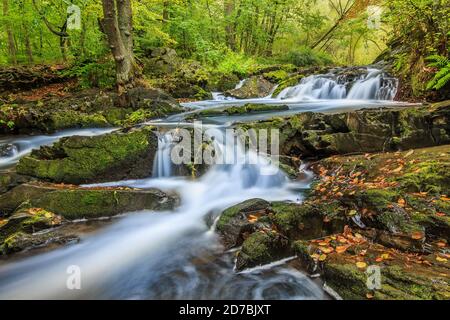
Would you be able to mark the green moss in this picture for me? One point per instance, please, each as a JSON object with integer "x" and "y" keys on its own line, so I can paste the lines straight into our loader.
{"x": 379, "y": 199}
{"x": 428, "y": 176}
{"x": 73, "y": 119}
{"x": 85, "y": 158}
{"x": 290, "y": 82}
{"x": 276, "y": 76}
{"x": 85, "y": 203}
{"x": 232, "y": 212}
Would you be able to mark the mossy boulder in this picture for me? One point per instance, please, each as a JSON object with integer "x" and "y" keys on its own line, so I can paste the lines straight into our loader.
{"x": 78, "y": 203}
{"x": 254, "y": 87}
{"x": 261, "y": 248}
{"x": 315, "y": 135}
{"x": 307, "y": 221}
{"x": 76, "y": 160}
{"x": 30, "y": 221}
{"x": 234, "y": 222}
{"x": 182, "y": 78}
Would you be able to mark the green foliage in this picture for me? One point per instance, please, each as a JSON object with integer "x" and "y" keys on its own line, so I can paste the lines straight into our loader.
{"x": 305, "y": 57}
{"x": 442, "y": 76}
{"x": 93, "y": 74}
{"x": 9, "y": 124}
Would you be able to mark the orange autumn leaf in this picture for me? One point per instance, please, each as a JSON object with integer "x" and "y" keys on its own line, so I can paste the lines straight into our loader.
{"x": 401, "y": 202}
{"x": 417, "y": 236}
{"x": 441, "y": 244}
{"x": 341, "y": 249}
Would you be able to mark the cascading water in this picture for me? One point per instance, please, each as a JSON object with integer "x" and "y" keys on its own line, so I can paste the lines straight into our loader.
{"x": 171, "y": 255}
{"x": 372, "y": 84}
{"x": 162, "y": 166}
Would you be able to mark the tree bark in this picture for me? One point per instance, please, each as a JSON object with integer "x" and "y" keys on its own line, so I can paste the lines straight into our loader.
{"x": 230, "y": 32}
{"x": 117, "y": 25}
{"x": 9, "y": 32}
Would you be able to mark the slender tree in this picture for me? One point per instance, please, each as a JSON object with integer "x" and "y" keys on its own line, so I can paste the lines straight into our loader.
{"x": 10, "y": 35}
{"x": 117, "y": 25}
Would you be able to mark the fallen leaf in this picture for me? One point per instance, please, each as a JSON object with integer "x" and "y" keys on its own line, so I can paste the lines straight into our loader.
{"x": 369, "y": 296}
{"x": 327, "y": 250}
{"x": 341, "y": 249}
{"x": 385, "y": 256}
{"x": 409, "y": 154}
{"x": 361, "y": 265}
{"x": 439, "y": 259}
{"x": 323, "y": 257}
{"x": 440, "y": 214}
{"x": 417, "y": 236}
{"x": 441, "y": 244}
{"x": 401, "y": 202}
{"x": 397, "y": 170}
{"x": 379, "y": 259}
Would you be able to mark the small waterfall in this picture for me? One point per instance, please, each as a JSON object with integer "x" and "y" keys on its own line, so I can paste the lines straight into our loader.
{"x": 360, "y": 84}
{"x": 240, "y": 84}
{"x": 162, "y": 166}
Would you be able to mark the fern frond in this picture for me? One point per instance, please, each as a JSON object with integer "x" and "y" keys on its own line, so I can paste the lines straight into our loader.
{"x": 442, "y": 81}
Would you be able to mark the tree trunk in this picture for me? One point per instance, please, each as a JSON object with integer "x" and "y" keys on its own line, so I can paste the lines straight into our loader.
{"x": 9, "y": 32}
{"x": 230, "y": 32}
{"x": 118, "y": 28}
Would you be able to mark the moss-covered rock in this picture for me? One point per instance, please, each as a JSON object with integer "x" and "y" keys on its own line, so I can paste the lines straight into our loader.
{"x": 315, "y": 135}
{"x": 76, "y": 160}
{"x": 262, "y": 248}
{"x": 77, "y": 203}
{"x": 235, "y": 222}
{"x": 254, "y": 87}
{"x": 88, "y": 108}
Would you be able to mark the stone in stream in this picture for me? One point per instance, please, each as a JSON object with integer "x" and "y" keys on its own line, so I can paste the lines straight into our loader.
{"x": 254, "y": 87}
{"x": 8, "y": 150}
{"x": 316, "y": 135}
{"x": 110, "y": 157}
{"x": 73, "y": 203}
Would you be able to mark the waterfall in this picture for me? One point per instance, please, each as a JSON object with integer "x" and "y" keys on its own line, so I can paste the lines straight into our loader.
{"x": 162, "y": 165}
{"x": 145, "y": 248}
{"x": 360, "y": 84}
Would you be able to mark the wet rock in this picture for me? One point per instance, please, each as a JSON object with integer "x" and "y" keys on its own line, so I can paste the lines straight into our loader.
{"x": 30, "y": 221}
{"x": 179, "y": 77}
{"x": 8, "y": 150}
{"x": 21, "y": 241}
{"x": 314, "y": 135}
{"x": 234, "y": 222}
{"x": 10, "y": 179}
{"x": 75, "y": 203}
{"x": 403, "y": 276}
{"x": 262, "y": 248}
{"x": 86, "y": 109}
{"x": 254, "y": 87}
{"x": 76, "y": 160}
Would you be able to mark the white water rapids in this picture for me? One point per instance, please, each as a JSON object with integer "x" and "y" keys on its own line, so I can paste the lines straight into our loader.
{"x": 176, "y": 254}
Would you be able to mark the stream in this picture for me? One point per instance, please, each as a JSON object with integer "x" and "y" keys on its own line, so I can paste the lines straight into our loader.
{"x": 177, "y": 255}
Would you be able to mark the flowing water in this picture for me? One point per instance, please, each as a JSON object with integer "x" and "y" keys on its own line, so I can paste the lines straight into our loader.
{"x": 176, "y": 254}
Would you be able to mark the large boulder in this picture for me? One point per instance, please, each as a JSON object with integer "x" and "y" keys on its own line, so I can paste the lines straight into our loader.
{"x": 73, "y": 202}
{"x": 236, "y": 221}
{"x": 180, "y": 77}
{"x": 254, "y": 87}
{"x": 76, "y": 160}
{"x": 316, "y": 135}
